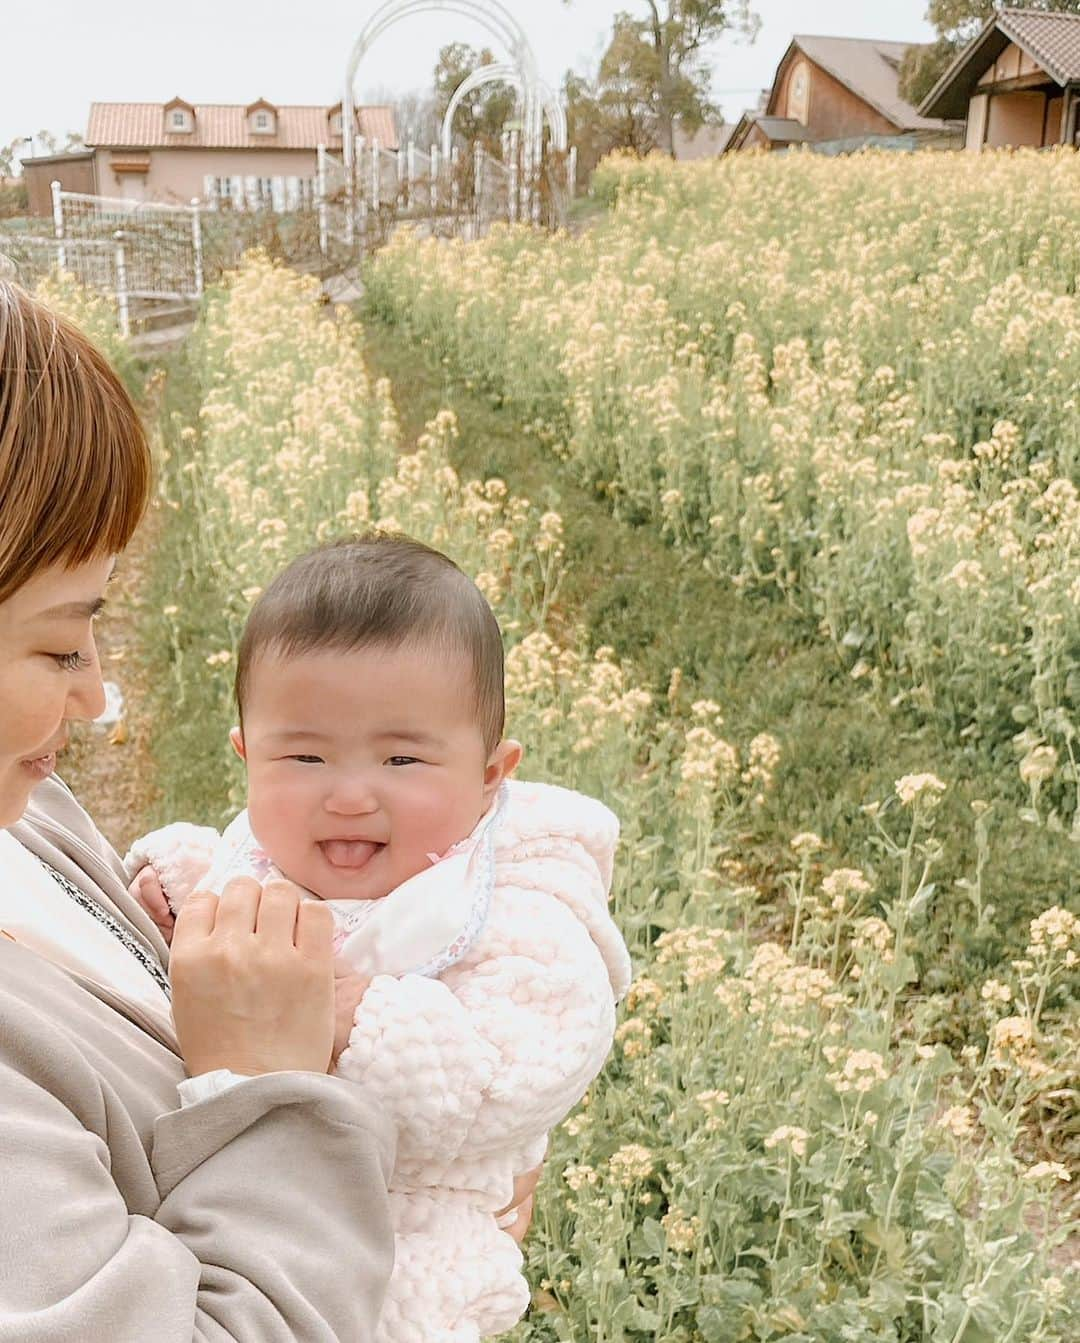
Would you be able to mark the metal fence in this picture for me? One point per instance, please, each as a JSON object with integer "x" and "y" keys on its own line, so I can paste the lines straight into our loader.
{"x": 163, "y": 242}
{"x": 462, "y": 194}
{"x": 98, "y": 264}
{"x": 144, "y": 253}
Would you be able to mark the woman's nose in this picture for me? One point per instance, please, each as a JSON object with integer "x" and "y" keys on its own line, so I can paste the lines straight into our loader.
{"x": 86, "y": 698}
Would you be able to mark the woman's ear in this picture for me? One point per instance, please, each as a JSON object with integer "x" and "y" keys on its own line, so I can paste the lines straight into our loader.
{"x": 501, "y": 764}
{"x": 236, "y": 736}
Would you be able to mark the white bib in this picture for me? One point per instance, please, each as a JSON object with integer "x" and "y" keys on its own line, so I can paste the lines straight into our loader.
{"x": 422, "y": 927}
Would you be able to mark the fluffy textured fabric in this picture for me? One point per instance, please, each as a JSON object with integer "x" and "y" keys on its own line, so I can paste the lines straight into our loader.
{"x": 476, "y": 1060}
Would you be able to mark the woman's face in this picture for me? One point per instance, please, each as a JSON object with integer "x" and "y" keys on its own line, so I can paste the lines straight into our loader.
{"x": 49, "y": 673}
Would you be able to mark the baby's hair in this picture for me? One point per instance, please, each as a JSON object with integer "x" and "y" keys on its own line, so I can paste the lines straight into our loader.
{"x": 378, "y": 591}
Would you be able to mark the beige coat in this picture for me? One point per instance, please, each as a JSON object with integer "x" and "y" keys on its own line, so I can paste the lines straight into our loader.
{"x": 124, "y": 1219}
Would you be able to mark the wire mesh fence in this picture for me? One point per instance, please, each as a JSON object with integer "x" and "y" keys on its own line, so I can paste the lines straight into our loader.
{"x": 163, "y": 242}
{"x": 142, "y": 252}
{"x": 30, "y": 258}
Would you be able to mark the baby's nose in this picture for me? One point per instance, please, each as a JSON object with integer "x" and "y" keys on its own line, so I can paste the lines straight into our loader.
{"x": 351, "y": 799}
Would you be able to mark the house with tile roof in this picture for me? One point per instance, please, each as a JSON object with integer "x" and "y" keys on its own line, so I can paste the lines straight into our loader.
{"x": 707, "y": 142}
{"x": 840, "y": 93}
{"x": 174, "y": 152}
{"x": 1017, "y": 83}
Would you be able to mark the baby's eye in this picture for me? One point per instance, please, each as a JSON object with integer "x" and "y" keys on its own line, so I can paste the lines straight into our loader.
{"x": 402, "y": 760}
{"x": 308, "y": 759}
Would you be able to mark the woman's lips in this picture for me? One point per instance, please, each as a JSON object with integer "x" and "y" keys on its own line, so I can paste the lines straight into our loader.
{"x": 349, "y": 854}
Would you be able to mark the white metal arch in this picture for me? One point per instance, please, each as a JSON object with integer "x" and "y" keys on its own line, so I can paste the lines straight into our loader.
{"x": 501, "y": 24}
{"x": 489, "y": 14}
{"x": 500, "y": 72}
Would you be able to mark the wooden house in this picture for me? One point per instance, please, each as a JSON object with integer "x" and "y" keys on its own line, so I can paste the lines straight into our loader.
{"x": 1016, "y": 84}
{"x": 840, "y": 93}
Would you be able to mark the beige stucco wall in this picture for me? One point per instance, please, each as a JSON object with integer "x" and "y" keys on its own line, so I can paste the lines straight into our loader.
{"x": 975, "y": 134}
{"x": 1015, "y": 119}
{"x": 1054, "y": 128}
{"x": 1011, "y": 64}
{"x": 177, "y": 175}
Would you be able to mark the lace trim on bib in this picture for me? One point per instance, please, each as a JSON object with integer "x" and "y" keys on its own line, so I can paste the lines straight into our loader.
{"x": 481, "y": 906}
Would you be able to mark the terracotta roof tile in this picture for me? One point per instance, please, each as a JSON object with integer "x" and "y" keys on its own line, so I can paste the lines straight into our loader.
{"x": 1052, "y": 39}
{"x": 225, "y": 126}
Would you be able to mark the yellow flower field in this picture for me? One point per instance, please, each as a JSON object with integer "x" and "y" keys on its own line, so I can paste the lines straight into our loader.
{"x": 808, "y": 375}
{"x": 853, "y": 383}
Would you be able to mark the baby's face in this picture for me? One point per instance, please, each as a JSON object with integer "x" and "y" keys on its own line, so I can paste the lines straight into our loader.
{"x": 361, "y": 764}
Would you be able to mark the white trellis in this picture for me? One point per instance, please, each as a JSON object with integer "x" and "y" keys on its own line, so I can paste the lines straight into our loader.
{"x": 538, "y": 101}
{"x": 164, "y": 251}
{"x": 500, "y": 72}
{"x": 522, "y": 198}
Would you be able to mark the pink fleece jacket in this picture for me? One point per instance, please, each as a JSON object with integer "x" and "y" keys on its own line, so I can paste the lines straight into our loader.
{"x": 492, "y": 1008}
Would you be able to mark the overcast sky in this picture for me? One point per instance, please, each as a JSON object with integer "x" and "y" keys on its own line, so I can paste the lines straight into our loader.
{"x": 58, "y": 56}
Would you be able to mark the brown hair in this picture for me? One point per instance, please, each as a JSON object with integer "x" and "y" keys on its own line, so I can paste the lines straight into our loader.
{"x": 74, "y": 461}
{"x": 378, "y": 591}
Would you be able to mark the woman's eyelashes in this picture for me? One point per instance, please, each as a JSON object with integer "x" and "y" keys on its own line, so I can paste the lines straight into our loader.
{"x": 71, "y": 661}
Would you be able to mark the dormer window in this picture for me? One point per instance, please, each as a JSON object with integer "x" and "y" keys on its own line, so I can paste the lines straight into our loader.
{"x": 336, "y": 123}
{"x": 179, "y": 117}
{"x": 261, "y": 117}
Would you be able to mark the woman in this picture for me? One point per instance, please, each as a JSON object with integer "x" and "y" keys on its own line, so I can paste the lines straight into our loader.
{"x": 130, "y": 1211}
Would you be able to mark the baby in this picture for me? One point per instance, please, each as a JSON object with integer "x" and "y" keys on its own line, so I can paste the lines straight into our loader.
{"x": 369, "y": 686}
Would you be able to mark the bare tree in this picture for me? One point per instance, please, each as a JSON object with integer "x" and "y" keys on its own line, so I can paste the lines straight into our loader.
{"x": 659, "y": 59}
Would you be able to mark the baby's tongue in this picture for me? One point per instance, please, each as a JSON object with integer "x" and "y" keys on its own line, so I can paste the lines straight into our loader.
{"x": 348, "y": 852}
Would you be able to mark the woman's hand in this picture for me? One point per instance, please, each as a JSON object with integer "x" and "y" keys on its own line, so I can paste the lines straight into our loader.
{"x": 349, "y": 990}
{"x": 146, "y": 889}
{"x": 253, "y": 980}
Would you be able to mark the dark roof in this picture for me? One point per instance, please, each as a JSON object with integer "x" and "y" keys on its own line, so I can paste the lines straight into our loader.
{"x": 869, "y": 68}
{"x": 777, "y": 130}
{"x": 783, "y": 128}
{"x": 1052, "y": 40}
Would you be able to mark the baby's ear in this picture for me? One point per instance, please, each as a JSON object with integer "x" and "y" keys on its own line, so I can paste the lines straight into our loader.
{"x": 236, "y": 736}
{"x": 501, "y": 764}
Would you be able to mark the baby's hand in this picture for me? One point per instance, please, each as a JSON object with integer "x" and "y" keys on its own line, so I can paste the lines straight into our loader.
{"x": 349, "y": 990}
{"x": 516, "y": 1218}
{"x": 146, "y": 888}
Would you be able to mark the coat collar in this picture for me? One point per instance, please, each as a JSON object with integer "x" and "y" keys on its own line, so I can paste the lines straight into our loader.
{"x": 56, "y": 829}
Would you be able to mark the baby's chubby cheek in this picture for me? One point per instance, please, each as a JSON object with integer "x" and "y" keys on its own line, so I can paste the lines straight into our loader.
{"x": 277, "y": 826}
